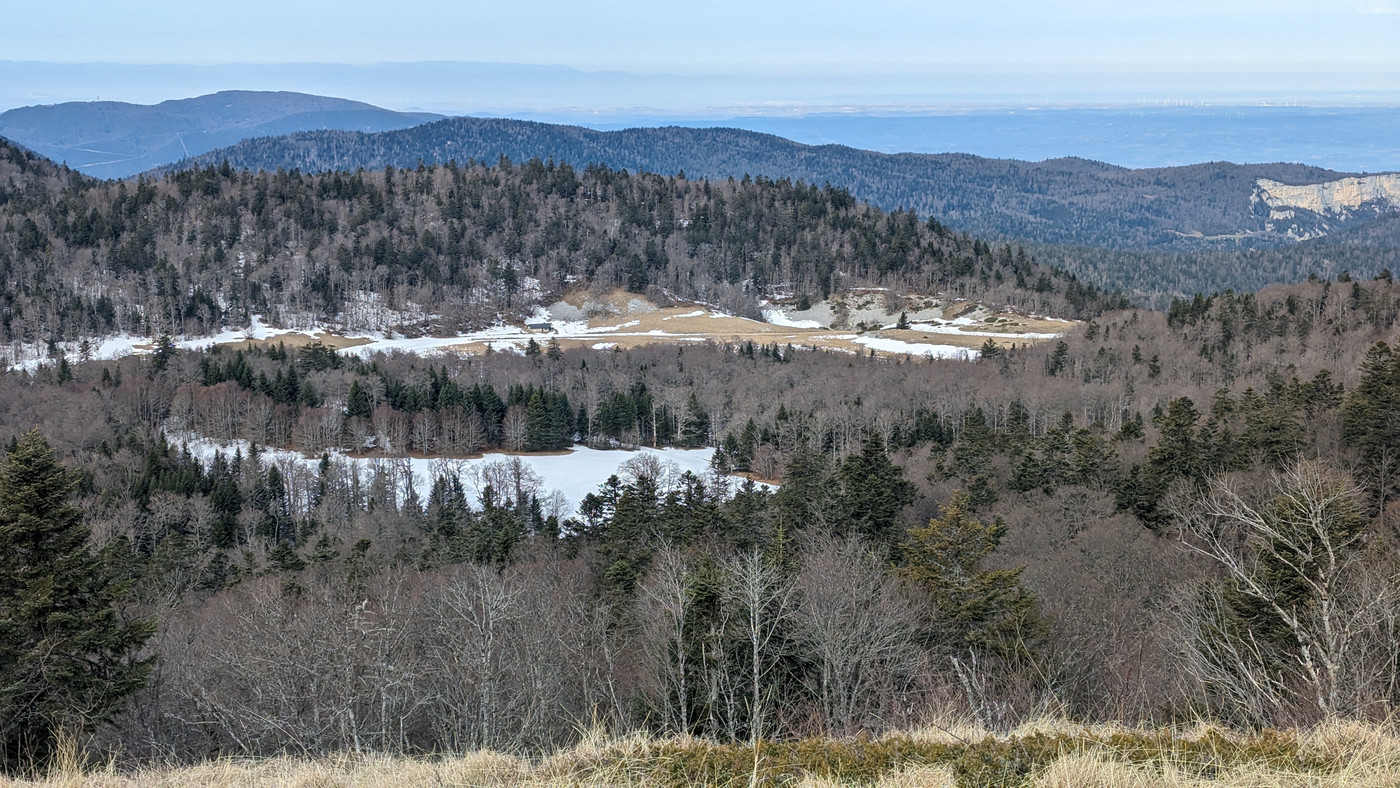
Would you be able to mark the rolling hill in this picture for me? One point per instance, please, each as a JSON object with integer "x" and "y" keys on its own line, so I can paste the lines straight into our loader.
{"x": 109, "y": 139}
{"x": 1058, "y": 201}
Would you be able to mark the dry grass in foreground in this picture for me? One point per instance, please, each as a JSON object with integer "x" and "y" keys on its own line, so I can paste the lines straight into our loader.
{"x": 1048, "y": 754}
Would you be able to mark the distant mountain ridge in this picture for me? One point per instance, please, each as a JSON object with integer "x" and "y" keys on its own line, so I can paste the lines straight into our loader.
{"x": 1057, "y": 201}
{"x": 109, "y": 139}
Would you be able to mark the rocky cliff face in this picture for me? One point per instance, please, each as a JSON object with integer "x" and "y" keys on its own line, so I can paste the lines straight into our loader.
{"x": 1300, "y": 213}
{"x": 1339, "y": 198}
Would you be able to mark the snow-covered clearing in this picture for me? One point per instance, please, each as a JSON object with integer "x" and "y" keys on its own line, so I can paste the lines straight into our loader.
{"x": 959, "y": 326}
{"x": 30, "y": 357}
{"x": 626, "y": 323}
{"x": 573, "y": 474}
{"x": 780, "y": 318}
{"x": 887, "y": 345}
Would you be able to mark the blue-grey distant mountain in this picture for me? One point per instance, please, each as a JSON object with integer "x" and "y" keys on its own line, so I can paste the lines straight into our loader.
{"x": 109, "y": 139}
{"x": 1059, "y": 201}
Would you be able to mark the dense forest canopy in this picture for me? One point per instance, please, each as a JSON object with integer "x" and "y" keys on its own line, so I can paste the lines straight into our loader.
{"x": 456, "y": 246}
{"x": 1154, "y": 233}
{"x": 1055, "y": 201}
{"x": 952, "y": 521}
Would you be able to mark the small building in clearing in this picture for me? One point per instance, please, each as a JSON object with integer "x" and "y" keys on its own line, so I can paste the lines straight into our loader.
{"x": 538, "y": 325}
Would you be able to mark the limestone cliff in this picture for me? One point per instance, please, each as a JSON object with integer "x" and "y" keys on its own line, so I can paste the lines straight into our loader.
{"x": 1334, "y": 198}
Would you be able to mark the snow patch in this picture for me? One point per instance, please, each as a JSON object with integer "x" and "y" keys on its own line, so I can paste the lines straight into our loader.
{"x": 780, "y": 318}
{"x": 574, "y": 474}
{"x": 955, "y": 327}
{"x": 888, "y": 345}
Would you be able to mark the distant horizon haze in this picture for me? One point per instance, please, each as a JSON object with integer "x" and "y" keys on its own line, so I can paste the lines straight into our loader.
{"x": 516, "y": 89}
{"x": 1357, "y": 139}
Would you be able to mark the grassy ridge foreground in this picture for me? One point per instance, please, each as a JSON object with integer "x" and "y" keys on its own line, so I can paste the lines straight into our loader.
{"x": 1047, "y": 753}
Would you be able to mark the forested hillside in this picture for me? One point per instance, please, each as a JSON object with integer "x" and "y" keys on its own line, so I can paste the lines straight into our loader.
{"x": 1153, "y": 233}
{"x": 1041, "y": 528}
{"x": 1158, "y": 516}
{"x": 461, "y": 245}
{"x": 1156, "y": 277}
{"x": 113, "y": 139}
{"x": 1061, "y": 201}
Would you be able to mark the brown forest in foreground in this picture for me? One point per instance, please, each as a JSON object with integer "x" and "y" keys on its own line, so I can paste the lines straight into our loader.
{"x": 1162, "y": 517}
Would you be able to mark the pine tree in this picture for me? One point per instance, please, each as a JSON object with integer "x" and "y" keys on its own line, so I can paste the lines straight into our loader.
{"x": 986, "y": 610}
{"x": 873, "y": 491}
{"x": 67, "y": 662}
{"x": 695, "y": 431}
{"x": 358, "y": 403}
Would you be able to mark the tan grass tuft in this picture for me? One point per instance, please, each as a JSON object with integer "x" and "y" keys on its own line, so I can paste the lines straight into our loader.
{"x": 1343, "y": 742}
{"x": 920, "y": 777}
{"x": 1098, "y": 771}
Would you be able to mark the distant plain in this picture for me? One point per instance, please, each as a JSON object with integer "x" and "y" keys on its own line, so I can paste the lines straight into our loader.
{"x": 1346, "y": 139}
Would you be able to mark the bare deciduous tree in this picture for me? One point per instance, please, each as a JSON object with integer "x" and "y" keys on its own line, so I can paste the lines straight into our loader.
{"x": 424, "y": 432}
{"x": 515, "y": 428}
{"x": 1294, "y": 550}
{"x": 859, "y": 627}
{"x": 392, "y": 428}
{"x": 661, "y": 610}
{"x": 764, "y": 598}
{"x": 319, "y": 429}
{"x": 475, "y": 615}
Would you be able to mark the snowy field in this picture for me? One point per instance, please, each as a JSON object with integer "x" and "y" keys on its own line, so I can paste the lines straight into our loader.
{"x": 30, "y": 357}
{"x": 562, "y": 479}
{"x": 504, "y": 338}
{"x": 779, "y": 317}
{"x": 651, "y": 326}
{"x": 887, "y": 345}
{"x": 961, "y": 326}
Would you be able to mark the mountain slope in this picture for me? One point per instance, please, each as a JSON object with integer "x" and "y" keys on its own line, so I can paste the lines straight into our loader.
{"x": 1063, "y": 201}
{"x": 457, "y": 248}
{"x": 110, "y": 139}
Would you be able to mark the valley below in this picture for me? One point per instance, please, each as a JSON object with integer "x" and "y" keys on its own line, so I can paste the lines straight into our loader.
{"x": 489, "y": 452}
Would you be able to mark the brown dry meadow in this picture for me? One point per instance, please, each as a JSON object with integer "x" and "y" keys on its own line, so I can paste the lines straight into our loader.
{"x": 1044, "y": 754}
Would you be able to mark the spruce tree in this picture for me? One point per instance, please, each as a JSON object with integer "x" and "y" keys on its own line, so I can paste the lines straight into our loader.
{"x": 873, "y": 492}
{"x": 67, "y": 660}
{"x": 1371, "y": 415}
{"x": 359, "y": 403}
{"x": 986, "y": 610}
{"x": 695, "y": 430}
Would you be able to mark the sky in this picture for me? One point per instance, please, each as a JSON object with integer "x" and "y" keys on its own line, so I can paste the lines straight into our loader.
{"x": 647, "y": 60}
{"x": 727, "y": 36}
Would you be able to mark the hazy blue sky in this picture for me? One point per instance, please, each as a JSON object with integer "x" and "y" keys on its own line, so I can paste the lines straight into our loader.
{"x": 726, "y": 36}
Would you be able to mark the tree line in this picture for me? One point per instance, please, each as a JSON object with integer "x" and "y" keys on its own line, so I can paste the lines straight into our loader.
{"x": 454, "y": 246}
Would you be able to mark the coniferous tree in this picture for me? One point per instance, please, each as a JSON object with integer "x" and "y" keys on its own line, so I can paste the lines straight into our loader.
{"x": 873, "y": 491}
{"x": 973, "y": 449}
{"x": 1371, "y": 416}
{"x": 67, "y": 661}
{"x": 695, "y": 430}
{"x": 358, "y": 403}
{"x": 986, "y": 610}
{"x": 804, "y": 496}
